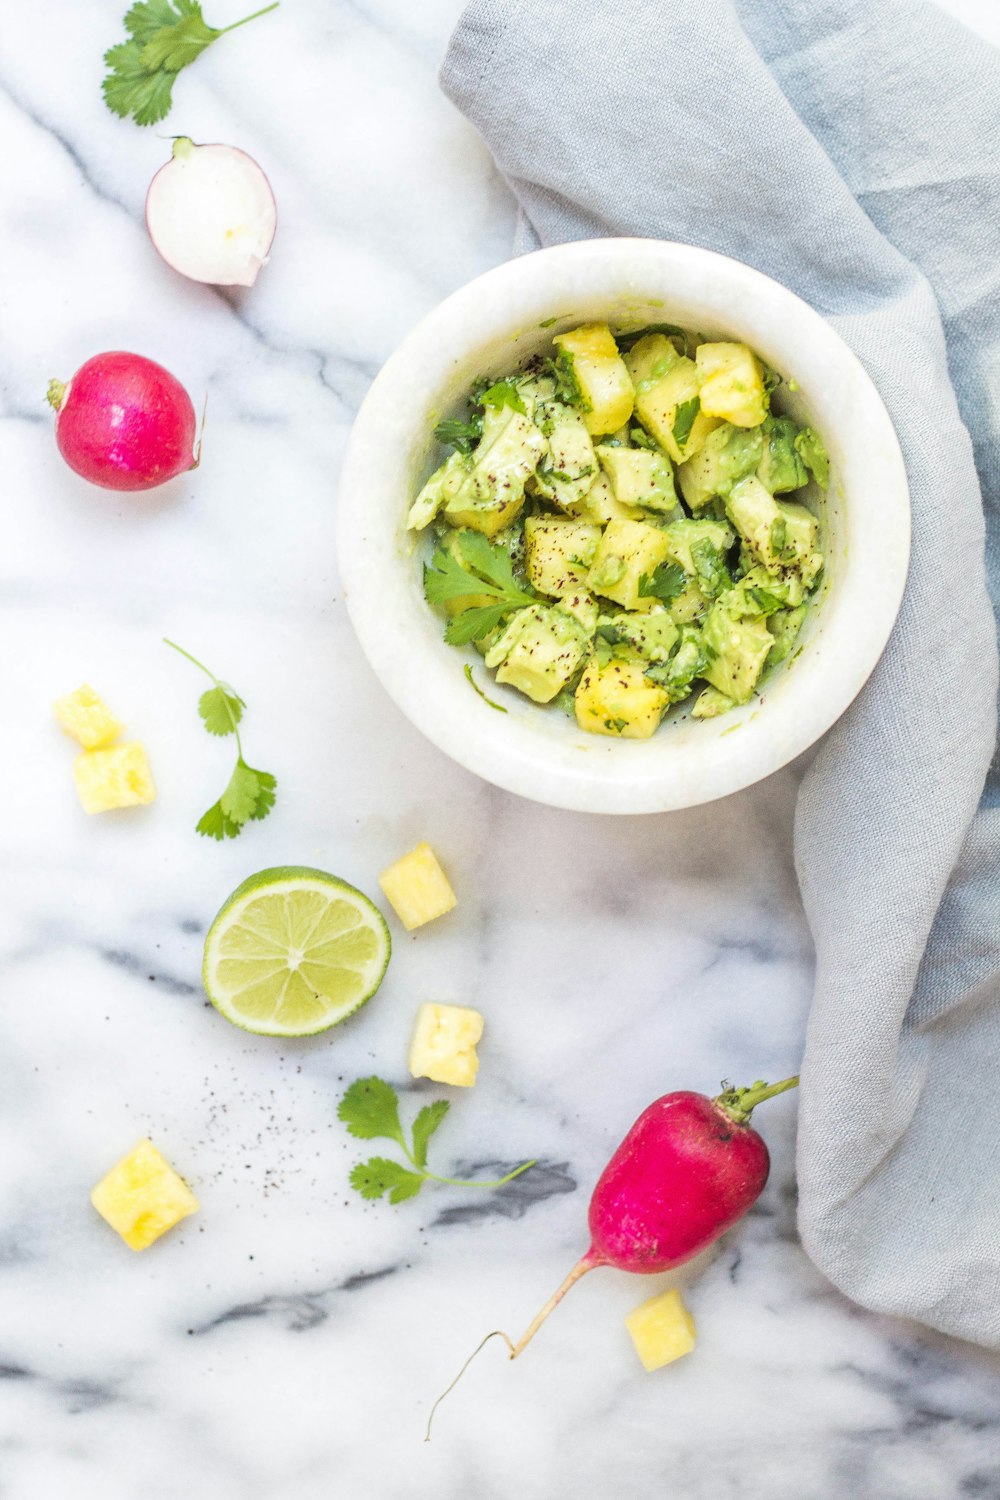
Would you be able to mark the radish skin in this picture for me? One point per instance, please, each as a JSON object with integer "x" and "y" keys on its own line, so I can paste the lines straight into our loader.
{"x": 688, "y": 1170}
{"x": 124, "y": 422}
{"x": 211, "y": 214}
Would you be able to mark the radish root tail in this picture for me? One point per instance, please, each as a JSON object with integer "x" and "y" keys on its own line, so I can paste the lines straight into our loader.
{"x": 497, "y": 1333}
{"x": 580, "y": 1269}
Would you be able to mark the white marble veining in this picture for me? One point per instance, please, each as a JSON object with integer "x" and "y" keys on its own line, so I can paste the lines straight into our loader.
{"x": 286, "y": 1343}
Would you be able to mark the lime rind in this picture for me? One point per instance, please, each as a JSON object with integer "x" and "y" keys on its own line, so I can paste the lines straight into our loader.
{"x": 293, "y": 952}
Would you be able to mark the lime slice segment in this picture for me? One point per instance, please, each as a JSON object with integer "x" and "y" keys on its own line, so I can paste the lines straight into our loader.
{"x": 293, "y": 951}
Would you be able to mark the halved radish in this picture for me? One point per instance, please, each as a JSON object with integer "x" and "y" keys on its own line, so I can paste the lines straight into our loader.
{"x": 210, "y": 213}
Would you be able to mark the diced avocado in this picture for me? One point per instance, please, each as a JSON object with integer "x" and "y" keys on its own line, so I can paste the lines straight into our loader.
{"x": 667, "y": 400}
{"x": 683, "y": 538}
{"x": 760, "y": 593}
{"x": 784, "y": 627}
{"x": 600, "y": 506}
{"x": 781, "y": 468}
{"x": 558, "y": 553}
{"x": 584, "y": 609}
{"x": 710, "y": 703}
{"x": 801, "y": 541}
{"x": 569, "y": 468}
{"x": 627, "y": 551}
{"x": 542, "y": 647}
{"x": 601, "y": 375}
{"x": 737, "y": 650}
{"x": 492, "y": 492}
{"x": 687, "y": 663}
{"x": 728, "y": 454}
{"x": 731, "y": 382}
{"x": 616, "y": 698}
{"x": 814, "y": 455}
{"x": 639, "y": 476}
{"x": 654, "y": 636}
{"x": 754, "y": 512}
{"x": 443, "y": 485}
{"x": 690, "y": 605}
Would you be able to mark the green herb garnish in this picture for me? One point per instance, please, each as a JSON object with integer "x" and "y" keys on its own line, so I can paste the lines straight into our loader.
{"x": 667, "y": 581}
{"x": 475, "y": 686}
{"x": 485, "y": 569}
{"x": 250, "y": 793}
{"x": 684, "y": 420}
{"x": 370, "y": 1110}
{"x": 563, "y": 371}
{"x": 164, "y": 37}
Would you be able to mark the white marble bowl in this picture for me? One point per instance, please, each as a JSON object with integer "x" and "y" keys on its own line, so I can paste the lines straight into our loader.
{"x": 493, "y": 325}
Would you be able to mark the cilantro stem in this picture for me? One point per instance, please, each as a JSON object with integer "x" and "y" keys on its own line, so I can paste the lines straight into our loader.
{"x": 224, "y": 29}
{"x": 461, "y": 1181}
{"x": 201, "y": 665}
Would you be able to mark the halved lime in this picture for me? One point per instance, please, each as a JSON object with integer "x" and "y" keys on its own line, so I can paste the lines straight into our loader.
{"x": 293, "y": 951}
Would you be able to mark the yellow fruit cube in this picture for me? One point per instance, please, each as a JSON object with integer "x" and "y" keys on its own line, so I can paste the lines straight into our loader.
{"x": 662, "y": 1329}
{"x": 731, "y": 383}
{"x": 417, "y": 888}
{"x": 627, "y": 551}
{"x": 601, "y": 374}
{"x": 119, "y": 777}
{"x": 617, "y": 699}
{"x": 86, "y": 717}
{"x": 142, "y": 1197}
{"x": 443, "y": 1045}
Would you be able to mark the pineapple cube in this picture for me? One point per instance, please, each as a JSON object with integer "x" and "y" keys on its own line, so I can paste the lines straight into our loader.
{"x": 417, "y": 888}
{"x": 142, "y": 1197}
{"x": 662, "y": 1329}
{"x": 119, "y": 777}
{"x": 443, "y": 1045}
{"x": 732, "y": 383}
{"x": 619, "y": 700}
{"x": 86, "y": 717}
{"x": 601, "y": 374}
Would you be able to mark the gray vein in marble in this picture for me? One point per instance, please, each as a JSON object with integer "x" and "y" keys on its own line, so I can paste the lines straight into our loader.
{"x": 296, "y": 1311}
{"x": 132, "y": 963}
{"x": 543, "y": 1181}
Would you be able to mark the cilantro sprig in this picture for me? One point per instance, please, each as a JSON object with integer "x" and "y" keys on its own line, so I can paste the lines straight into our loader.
{"x": 464, "y": 433}
{"x": 250, "y": 794}
{"x": 164, "y": 37}
{"x": 484, "y": 569}
{"x": 684, "y": 420}
{"x": 665, "y": 583}
{"x": 370, "y": 1110}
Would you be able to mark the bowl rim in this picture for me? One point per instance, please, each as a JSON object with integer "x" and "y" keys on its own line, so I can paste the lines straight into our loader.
{"x": 523, "y": 762}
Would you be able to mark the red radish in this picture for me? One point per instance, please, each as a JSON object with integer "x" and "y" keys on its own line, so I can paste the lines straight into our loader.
{"x": 210, "y": 213}
{"x": 124, "y": 422}
{"x": 689, "y": 1168}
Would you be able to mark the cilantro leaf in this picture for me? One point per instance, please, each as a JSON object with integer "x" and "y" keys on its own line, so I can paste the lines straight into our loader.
{"x": 684, "y": 420}
{"x": 665, "y": 583}
{"x": 484, "y": 569}
{"x": 563, "y": 372}
{"x": 380, "y": 1175}
{"x": 503, "y": 393}
{"x": 424, "y": 1126}
{"x": 249, "y": 793}
{"x": 370, "y": 1110}
{"x": 214, "y": 824}
{"x": 710, "y": 566}
{"x": 221, "y": 709}
{"x": 164, "y": 37}
{"x": 463, "y": 436}
{"x": 641, "y": 438}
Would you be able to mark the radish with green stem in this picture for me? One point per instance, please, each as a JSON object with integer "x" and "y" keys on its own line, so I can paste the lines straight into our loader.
{"x": 210, "y": 214}
{"x": 687, "y": 1171}
{"x": 124, "y": 422}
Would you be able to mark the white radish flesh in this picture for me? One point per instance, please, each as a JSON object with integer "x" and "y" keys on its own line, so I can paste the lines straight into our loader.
{"x": 211, "y": 215}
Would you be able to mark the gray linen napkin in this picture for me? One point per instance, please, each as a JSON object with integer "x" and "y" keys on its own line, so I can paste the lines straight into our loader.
{"x": 851, "y": 149}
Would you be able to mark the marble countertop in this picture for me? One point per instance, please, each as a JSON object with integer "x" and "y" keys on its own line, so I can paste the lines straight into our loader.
{"x": 286, "y": 1343}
